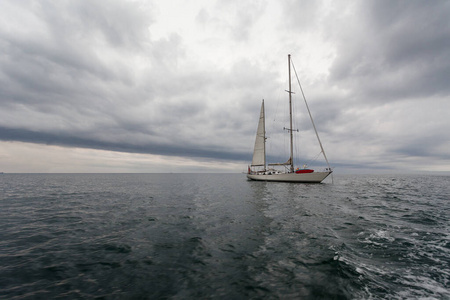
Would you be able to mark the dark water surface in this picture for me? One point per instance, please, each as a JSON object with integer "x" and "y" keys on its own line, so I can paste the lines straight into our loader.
{"x": 219, "y": 236}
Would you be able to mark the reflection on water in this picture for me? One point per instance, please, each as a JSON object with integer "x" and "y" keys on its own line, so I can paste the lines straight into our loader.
{"x": 221, "y": 236}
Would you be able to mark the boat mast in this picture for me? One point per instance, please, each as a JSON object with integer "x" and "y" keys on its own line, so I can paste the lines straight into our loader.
{"x": 290, "y": 115}
{"x": 264, "y": 126}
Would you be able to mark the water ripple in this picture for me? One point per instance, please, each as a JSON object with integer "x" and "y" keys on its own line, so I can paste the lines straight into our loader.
{"x": 177, "y": 236}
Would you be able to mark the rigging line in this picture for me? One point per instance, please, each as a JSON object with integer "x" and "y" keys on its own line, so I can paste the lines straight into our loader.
{"x": 312, "y": 160}
{"x": 310, "y": 116}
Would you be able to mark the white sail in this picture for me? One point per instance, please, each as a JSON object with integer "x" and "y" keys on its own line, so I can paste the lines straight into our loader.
{"x": 259, "y": 152}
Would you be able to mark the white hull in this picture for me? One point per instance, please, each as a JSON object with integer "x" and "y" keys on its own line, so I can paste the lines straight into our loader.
{"x": 315, "y": 177}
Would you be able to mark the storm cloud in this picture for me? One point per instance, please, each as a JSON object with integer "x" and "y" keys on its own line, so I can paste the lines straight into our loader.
{"x": 186, "y": 79}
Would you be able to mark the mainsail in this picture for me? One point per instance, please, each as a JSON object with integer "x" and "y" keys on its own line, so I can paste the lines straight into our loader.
{"x": 259, "y": 153}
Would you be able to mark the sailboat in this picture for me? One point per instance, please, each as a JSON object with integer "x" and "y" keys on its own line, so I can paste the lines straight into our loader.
{"x": 260, "y": 170}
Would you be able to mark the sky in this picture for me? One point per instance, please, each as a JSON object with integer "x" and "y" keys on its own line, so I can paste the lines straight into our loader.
{"x": 176, "y": 86}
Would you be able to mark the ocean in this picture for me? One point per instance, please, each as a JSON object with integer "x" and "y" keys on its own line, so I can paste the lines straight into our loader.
{"x": 219, "y": 236}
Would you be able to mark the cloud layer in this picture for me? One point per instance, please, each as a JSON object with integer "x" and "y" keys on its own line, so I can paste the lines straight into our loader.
{"x": 186, "y": 80}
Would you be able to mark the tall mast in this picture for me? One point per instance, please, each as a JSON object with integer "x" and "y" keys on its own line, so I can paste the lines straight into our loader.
{"x": 290, "y": 115}
{"x": 264, "y": 126}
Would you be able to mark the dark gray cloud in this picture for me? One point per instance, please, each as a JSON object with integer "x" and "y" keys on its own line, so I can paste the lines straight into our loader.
{"x": 80, "y": 141}
{"x": 395, "y": 51}
{"x": 93, "y": 75}
{"x": 70, "y": 86}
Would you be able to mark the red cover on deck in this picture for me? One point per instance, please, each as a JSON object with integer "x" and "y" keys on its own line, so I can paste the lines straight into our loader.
{"x": 304, "y": 171}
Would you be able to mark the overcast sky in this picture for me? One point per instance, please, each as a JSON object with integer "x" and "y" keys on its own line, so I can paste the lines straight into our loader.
{"x": 176, "y": 86}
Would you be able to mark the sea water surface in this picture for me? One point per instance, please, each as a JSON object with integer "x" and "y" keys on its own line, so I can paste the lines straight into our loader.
{"x": 219, "y": 236}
